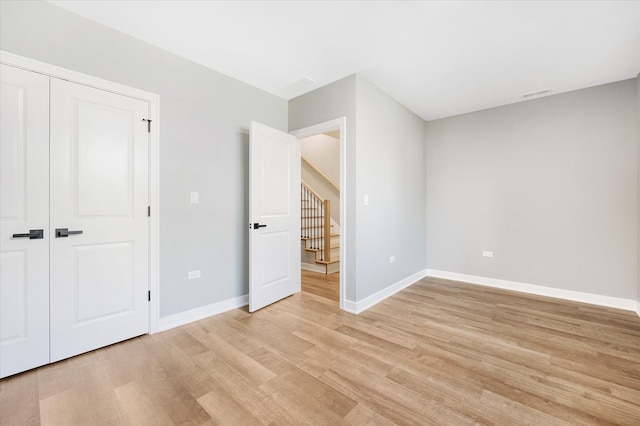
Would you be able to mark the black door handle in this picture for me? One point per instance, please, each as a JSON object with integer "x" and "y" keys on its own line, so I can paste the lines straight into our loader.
{"x": 64, "y": 232}
{"x": 34, "y": 234}
{"x": 257, "y": 225}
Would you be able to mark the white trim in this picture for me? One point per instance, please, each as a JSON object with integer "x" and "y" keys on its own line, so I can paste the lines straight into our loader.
{"x": 575, "y": 296}
{"x": 196, "y": 314}
{"x": 72, "y": 76}
{"x": 638, "y": 308}
{"x": 316, "y": 129}
{"x": 153, "y": 101}
{"x": 336, "y": 124}
{"x": 368, "y": 302}
{"x": 351, "y": 307}
{"x": 154, "y": 220}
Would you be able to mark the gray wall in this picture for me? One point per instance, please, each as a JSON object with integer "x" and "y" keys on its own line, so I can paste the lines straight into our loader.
{"x": 386, "y": 161}
{"x": 205, "y": 118}
{"x": 329, "y": 102}
{"x": 638, "y": 114}
{"x": 549, "y": 185}
{"x": 390, "y": 165}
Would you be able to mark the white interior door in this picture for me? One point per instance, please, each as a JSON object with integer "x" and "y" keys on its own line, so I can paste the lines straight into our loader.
{"x": 24, "y": 206}
{"x": 274, "y": 212}
{"x": 99, "y": 186}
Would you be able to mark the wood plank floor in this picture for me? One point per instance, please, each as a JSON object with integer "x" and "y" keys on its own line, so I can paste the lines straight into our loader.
{"x": 323, "y": 285}
{"x": 439, "y": 352}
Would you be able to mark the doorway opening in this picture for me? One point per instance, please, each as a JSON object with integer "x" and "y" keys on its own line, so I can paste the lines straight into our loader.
{"x": 323, "y": 212}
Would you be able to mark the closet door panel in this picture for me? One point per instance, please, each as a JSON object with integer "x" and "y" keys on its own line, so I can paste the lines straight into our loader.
{"x": 99, "y": 186}
{"x": 24, "y": 206}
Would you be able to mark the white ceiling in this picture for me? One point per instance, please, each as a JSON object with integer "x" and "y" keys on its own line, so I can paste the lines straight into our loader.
{"x": 437, "y": 58}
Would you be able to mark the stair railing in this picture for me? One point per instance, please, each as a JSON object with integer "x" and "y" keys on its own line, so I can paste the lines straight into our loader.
{"x": 315, "y": 221}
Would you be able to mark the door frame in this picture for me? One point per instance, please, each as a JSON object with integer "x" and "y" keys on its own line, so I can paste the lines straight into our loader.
{"x": 332, "y": 125}
{"x": 153, "y": 101}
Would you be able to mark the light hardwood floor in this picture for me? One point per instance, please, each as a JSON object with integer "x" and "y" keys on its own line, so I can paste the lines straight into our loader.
{"x": 439, "y": 352}
{"x": 324, "y": 285}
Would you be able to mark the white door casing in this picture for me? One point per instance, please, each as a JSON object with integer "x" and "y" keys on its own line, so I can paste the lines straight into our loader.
{"x": 99, "y": 185}
{"x": 24, "y": 206}
{"x": 274, "y": 205}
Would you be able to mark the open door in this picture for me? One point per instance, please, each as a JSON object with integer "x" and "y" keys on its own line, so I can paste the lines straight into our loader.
{"x": 274, "y": 214}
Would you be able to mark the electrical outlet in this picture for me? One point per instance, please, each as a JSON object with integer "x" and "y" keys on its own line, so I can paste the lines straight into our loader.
{"x": 366, "y": 199}
{"x": 487, "y": 253}
{"x": 195, "y": 198}
{"x": 194, "y": 274}
{"x": 392, "y": 259}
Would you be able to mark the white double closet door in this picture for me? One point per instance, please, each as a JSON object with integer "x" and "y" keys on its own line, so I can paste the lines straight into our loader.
{"x": 74, "y": 179}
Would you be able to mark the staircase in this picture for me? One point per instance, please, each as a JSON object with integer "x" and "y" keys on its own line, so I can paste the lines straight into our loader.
{"x": 319, "y": 235}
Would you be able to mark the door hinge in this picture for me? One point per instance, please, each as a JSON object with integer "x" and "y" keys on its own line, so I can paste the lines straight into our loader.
{"x": 148, "y": 211}
{"x": 149, "y": 296}
{"x": 148, "y": 124}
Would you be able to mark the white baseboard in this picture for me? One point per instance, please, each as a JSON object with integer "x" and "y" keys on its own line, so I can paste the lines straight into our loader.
{"x": 182, "y": 318}
{"x": 201, "y": 312}
{"x": 575, "y": 296}
{"x": 368, "y": 302}
{"x": 350, "y": 306}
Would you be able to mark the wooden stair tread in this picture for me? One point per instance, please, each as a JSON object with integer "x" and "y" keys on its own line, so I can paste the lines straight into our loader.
{"x": 333, "y": 246}
{"x": 312, "y": 238}
{"x": 332, "y": 260}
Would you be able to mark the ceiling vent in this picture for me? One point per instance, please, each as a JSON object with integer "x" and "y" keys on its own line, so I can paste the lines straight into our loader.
{"x": 302, "y": 85}
{"x": 536, "y": 93}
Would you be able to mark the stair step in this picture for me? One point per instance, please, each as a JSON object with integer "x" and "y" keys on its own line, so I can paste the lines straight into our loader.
{"x": 332, "y": 260}
{"x": 309, "y": 227}
{"x": 333, "y": 246}
{"x": 318, "y": 237}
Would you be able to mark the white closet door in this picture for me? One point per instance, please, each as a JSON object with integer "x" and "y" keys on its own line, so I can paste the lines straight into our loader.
{"x": 24, "y": 206}
{"x": 99, "y": 186}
